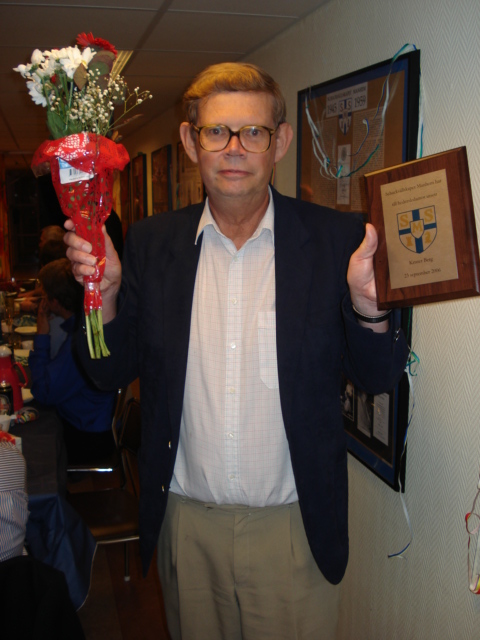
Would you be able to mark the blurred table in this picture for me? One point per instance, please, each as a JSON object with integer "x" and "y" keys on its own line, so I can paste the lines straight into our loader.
{"x": 56, "y": 534}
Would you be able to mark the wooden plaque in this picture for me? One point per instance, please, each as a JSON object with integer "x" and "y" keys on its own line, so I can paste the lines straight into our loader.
{"x": 427, "y": 240}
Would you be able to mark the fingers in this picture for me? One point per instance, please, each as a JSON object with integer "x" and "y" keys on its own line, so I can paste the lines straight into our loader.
{"x": 79, "y": 253}
{"x": 85, "y": 264}
{"x": 76, "y": 242}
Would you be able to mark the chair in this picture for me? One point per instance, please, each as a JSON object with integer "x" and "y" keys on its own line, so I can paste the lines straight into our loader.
{"x": 112, "y": 462}
{"x": 112, "y": 514}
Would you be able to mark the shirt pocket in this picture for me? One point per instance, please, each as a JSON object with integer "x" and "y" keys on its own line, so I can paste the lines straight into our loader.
{"x": 267, "y": 348}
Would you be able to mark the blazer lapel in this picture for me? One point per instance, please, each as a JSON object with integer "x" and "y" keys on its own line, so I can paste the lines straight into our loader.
{"x": 179, "y": 287}
{"x": 293, "y": 273}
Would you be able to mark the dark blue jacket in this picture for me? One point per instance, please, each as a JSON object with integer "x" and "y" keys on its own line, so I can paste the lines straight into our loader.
{"x": 317, "y": 338}
{"x": 60, "y": 382}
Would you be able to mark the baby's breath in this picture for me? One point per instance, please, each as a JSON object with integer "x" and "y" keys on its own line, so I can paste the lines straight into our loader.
{"x": 72, "y": 105}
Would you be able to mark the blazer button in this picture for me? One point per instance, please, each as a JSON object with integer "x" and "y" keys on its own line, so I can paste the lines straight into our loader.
{"x": 163, "y": 489}
{"x": 170, "y": 444}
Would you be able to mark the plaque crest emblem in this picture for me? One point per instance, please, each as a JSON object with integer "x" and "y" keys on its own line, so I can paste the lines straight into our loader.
{"x": 345, "y": 115}
{"x": 417, "y": 229}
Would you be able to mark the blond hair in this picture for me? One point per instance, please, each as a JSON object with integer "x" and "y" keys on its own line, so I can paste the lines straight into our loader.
{"x": 232, "y": 76}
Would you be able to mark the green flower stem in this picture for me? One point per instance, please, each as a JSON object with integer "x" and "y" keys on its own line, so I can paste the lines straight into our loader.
{"x": 95, "y": 337}
{"x": 89, "y": 337}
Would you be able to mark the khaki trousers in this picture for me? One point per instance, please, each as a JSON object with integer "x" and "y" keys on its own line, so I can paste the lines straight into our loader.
{"x": 231, "y": 572}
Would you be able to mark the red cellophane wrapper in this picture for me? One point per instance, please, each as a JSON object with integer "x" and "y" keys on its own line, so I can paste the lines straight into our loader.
{"x": 85, "y": 197}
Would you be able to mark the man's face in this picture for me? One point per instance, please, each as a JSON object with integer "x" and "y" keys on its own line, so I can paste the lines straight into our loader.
{"x": 234, "y": 172}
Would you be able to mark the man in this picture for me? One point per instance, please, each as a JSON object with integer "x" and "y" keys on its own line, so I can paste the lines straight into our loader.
{"x": 86, "y": 411}
{"x": 238, "y": 319}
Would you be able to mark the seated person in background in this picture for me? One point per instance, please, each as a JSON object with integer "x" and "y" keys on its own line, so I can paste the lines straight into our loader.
{"x": 50, "y": 232}
{"x": 13, "y": 501}
{"x": 50, "y": 247}
{"x": 52, "y": 250}
{"x": 86, "y": 412}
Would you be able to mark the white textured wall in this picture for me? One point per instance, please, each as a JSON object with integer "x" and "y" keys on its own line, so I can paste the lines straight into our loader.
{"x": 425, "y": 596}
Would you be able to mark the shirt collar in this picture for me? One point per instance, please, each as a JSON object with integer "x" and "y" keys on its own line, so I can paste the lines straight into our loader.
{"x": 267, "y": 222}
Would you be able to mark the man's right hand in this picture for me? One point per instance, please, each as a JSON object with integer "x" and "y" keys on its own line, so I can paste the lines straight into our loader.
{"x": 83, "y": 264}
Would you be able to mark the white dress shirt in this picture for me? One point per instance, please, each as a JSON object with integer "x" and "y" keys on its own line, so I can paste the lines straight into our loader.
{"x": 233, "y": 448}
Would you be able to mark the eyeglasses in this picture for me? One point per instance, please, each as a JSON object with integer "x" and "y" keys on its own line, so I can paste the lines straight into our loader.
{"x": 253, "y": 138}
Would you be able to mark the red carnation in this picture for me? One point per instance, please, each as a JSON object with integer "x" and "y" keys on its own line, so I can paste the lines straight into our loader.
{"x": 87, "y": 40}
{"x": 53, "y": 79}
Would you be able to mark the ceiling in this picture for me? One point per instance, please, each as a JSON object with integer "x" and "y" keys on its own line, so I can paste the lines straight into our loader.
{"x": 172, "y": 41}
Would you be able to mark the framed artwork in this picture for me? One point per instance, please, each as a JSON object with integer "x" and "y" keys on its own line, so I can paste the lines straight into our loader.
{"x": 161, "y": 179}
{"x": 189, "y": 189}
{"x": 376, "y": 426}
{"x": 347, "y": 127}
{"x": 139, "y": 187}
{"x": 353, "y": 125}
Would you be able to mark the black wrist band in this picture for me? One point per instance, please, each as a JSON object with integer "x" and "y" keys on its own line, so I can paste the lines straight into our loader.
{"x": 371, "y": 319}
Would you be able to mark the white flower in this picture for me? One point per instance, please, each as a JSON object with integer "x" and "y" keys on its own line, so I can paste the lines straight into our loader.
{"x": 71, "y": 61}
{"x": 74, "y": 58}
{"x": 43, "y": 71}
{"x": 23, "y": 69}
{"x": 56, "y": 54}
{"x": 87, "y": 55}
{"x": 37, "y": 57}
{"x": 35, "y": 90}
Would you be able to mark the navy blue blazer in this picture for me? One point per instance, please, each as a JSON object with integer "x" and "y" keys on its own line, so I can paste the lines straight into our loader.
{"x": 318, "y": 338}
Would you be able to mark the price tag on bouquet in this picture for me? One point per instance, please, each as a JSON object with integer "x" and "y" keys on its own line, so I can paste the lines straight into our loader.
{"x": 69, "y": 174}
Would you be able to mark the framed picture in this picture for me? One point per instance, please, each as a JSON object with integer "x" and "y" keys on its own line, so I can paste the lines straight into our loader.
{"x": 161, "y": 179}
{"x": 348, "y": 127}
{"x": 355, "y": 124}
{"x": 376, "y": 425}
{"x": 189, "y": 181}
{"x": 125, "y": 197}
{"x": 139, "y": 187}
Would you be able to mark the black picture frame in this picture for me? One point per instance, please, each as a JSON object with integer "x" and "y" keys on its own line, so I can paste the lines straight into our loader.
{"x": 357, "y": 140}
{"x": 378, "y": 443}
{"x": 139, "y": 207}
{"x": 162, "y": 179}
{"x": 189, "y": 187}
{"x": 376, "y": 426}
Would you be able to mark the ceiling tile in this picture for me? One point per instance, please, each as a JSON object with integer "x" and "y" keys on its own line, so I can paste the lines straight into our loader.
{"x": 226, "y": 33}
{"x": 174, "y": 63}
{"x": 295, "y": 8}
{"x": 121, "y": 28}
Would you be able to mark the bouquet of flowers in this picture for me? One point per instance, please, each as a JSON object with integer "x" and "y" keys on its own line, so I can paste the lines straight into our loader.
{"x": 80, "y": 92}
